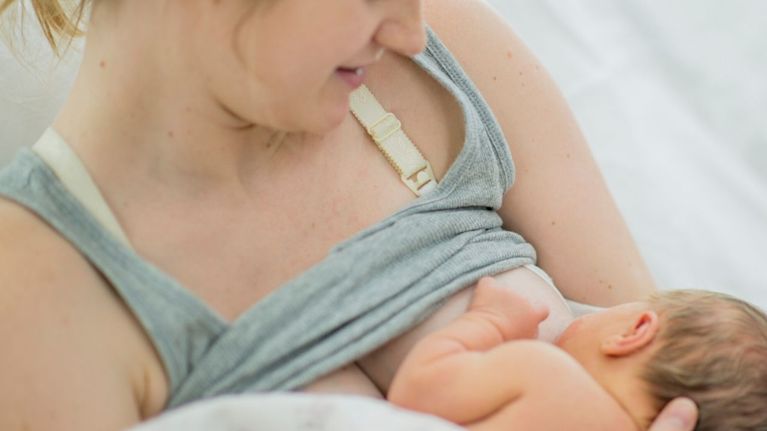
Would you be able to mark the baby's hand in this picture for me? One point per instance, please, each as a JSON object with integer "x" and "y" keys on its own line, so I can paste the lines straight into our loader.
{"x": 510, "y": 312}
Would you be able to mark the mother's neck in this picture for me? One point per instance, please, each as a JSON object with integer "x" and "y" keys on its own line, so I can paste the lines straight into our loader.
{"x": 139, "y": 111}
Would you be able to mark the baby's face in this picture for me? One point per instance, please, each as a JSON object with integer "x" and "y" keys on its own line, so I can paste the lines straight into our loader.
{"x": 583, "y": 337}
{"x": 613, "y": 346}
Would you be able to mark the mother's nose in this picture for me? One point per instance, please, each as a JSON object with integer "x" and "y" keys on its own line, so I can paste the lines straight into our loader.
{"x": 404, "y": 29}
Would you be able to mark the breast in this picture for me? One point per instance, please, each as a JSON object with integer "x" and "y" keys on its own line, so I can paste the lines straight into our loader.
{"x": 381, "y": 365}
{"x": 539, "y": 292}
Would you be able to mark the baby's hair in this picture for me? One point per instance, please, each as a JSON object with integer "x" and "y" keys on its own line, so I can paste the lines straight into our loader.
{"x": 59, "y": 19}
{"x": 712, "y": 349}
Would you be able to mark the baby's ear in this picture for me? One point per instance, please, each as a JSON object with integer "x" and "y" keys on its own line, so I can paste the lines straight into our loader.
{"x": 639, "y": 333}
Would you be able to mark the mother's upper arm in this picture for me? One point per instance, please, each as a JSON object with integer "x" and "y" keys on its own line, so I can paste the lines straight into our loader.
{"x": 559, "y": 202}
{"x": 60, "y": 364}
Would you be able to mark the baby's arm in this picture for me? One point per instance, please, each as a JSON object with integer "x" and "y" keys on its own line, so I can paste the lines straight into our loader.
{"x": 480, "y": 371}
{"x": 464, "y": 371}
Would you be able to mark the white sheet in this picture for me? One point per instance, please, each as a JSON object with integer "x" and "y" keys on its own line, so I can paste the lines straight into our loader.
{"x": 672, "y": 98}
{"x": 294, "y": 412}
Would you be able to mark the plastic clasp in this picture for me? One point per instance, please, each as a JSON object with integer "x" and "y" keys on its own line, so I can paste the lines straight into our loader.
{"x": 421, "y": 181}
{"x": 384, "y": 127}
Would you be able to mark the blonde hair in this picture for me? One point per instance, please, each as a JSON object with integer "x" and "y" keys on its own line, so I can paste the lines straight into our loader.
{"x": 59, "y": 19}
{"x": 713, "y": 349}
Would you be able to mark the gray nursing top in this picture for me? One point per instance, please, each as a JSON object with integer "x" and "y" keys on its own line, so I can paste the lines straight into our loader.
{"x": 369, "y": 289}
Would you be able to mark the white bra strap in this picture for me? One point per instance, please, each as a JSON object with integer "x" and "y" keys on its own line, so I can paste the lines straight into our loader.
{"x": 386, "y": 131}
{"x": 72, "y": 173}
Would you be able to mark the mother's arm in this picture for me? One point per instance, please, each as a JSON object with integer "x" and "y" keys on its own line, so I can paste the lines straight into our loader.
{"x": 560, "y": 202}
{"x": 68, "y": 345}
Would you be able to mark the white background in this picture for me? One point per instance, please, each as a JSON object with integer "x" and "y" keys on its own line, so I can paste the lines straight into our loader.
{"x": 672, "y": 98}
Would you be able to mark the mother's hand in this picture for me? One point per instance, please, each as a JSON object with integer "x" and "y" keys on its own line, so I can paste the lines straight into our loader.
{"x": 680, "y": 414}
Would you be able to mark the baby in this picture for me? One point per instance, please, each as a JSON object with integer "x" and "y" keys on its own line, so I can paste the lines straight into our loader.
{"x": 611, "y": 370}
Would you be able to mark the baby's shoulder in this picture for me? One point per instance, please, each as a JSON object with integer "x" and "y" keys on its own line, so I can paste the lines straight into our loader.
{"x": 558, "y": 384}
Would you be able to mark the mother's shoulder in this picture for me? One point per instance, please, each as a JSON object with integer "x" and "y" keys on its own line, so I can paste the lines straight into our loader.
{"x": 477, "y": 36}
{"x": 37, "y": 264}
{"x": 510, "y": 78}
{"x": 61, "y": 322}
{"x": 23, "y": 234}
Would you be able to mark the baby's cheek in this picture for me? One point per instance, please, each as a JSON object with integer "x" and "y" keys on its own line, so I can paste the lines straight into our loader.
{"x": 566, "y": 336}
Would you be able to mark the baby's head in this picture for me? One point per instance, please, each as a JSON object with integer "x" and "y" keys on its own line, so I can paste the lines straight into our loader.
{"x": 706, "y": 346}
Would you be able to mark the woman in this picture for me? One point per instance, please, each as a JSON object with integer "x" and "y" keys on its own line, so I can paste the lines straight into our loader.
{"x": 219, "y": 138}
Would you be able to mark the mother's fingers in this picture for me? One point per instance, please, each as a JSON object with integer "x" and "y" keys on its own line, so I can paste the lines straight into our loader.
{"x": 680, "y": 414}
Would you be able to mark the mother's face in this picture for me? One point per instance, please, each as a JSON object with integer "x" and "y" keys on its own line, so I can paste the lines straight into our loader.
{"x": 276, "y": 62}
